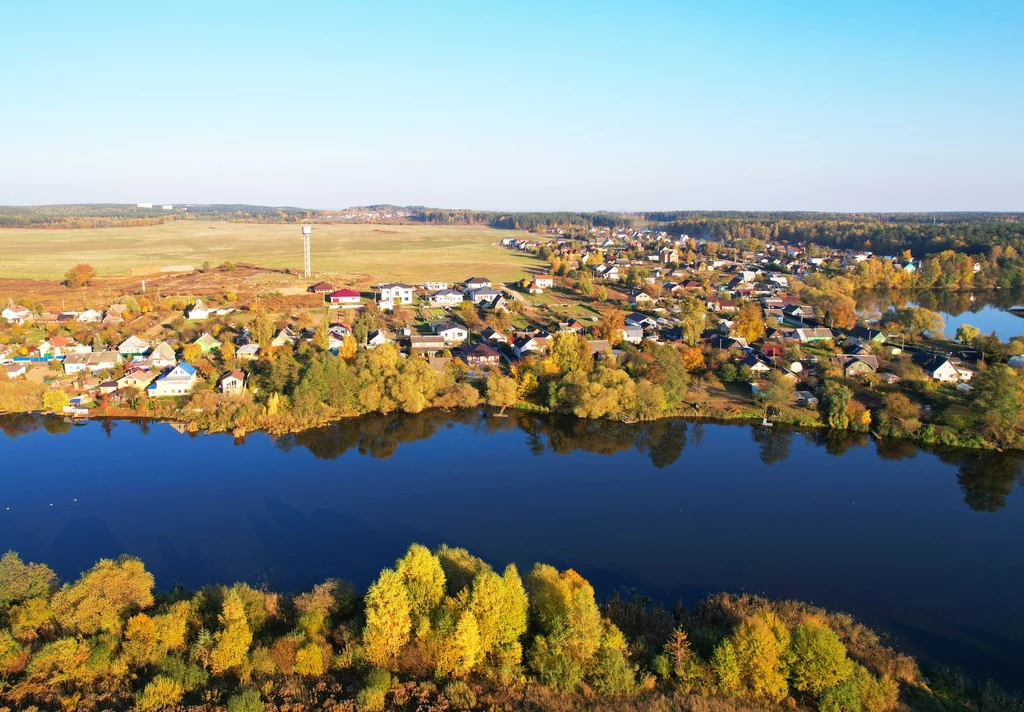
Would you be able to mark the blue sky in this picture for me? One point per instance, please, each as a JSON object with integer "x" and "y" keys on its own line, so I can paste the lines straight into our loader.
{"x": 872, "y": 106}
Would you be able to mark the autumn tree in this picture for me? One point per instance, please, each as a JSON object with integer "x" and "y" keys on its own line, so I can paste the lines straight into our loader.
{"x": 997, "y": 402}
{"x": 759, "y": 645}
{"x": 570, "y": 353}
{"x": 424, "y": 584}
{"x": 749, "y": 323}
{"x": 230, "y": 643}
{"x": 502, "y": 391}
{"x": 966, "y": 334}
{"x": 388, "y": 619}
{"x": 79, "y": 276}
{"x": 104, "y": 596}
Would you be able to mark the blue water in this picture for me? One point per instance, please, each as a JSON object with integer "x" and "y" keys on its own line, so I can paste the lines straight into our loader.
{"x": 922, "y": 546}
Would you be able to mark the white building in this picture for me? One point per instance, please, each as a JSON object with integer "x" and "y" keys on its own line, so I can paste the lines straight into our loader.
{"x": 178, "y": 381}
{"x": 396, "y": 293}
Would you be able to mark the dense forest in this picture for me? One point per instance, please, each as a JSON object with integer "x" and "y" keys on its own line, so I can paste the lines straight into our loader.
{"x": 439, "y": 630}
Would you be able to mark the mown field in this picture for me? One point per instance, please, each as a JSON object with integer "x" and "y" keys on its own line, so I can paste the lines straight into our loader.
{"x": 347, "y": 253}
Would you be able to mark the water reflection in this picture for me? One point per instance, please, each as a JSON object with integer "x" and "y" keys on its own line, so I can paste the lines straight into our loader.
{"x": 986, "y": 478}
{"x": 988, "y": 310}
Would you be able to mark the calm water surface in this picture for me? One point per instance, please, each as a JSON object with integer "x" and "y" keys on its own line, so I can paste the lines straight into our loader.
{"x": 922, "y": 545}
{"x": 988, "y": 311}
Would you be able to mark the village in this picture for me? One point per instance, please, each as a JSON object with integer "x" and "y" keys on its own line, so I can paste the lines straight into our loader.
{"x": 737, "y": 314}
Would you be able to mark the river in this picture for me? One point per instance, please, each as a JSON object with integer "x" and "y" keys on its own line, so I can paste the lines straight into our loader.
{"x": 924, "y": 546}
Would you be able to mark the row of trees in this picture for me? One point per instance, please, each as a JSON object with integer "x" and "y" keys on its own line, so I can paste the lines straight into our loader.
{"x": 439, "y": 625}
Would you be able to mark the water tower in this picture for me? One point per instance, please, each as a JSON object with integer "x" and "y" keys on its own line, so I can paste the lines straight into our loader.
{"x": 306, "y": 230}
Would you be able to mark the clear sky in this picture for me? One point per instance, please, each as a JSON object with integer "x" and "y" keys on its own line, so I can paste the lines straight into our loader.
{"x": 803, "y": 105}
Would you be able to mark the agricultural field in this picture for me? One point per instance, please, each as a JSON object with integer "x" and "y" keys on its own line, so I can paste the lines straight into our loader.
{"x": 348, "y": 254}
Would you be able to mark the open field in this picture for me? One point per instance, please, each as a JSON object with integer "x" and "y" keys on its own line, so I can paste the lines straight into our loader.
{"x": 353, "y": 254}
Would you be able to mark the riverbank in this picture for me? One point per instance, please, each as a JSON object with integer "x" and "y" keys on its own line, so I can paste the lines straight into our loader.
{"x": 440, "y": 630}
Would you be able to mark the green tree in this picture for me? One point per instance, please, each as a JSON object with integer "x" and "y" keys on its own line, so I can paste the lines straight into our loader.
{"x": 585, "y": 285}
{"x": 693, "y": 317}
{"x": 263, "y": 329}
{"x": 760, "y": 643}
{"x": 835, "y": 400}
{"x": 388, "y": 619}
{"x": 819, "y": 660}
{"x": 997, "y": 402}
{"x": 966, "y": 334}
{"x": 20, "y": 582}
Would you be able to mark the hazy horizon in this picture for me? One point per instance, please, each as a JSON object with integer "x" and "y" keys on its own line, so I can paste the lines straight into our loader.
{"x": 869, "y": 107}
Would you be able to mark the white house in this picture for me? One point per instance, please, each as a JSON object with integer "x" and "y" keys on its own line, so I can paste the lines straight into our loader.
{"x": 162, "y": 356}
{"x": 178, "y": 381}
{"x": 396, "y": 293}
{"x": 17, "y": 314}
{"x": 543, "y": 281}
{"x": 451, "y": 332}
{"x": 477, "y": 283}
{"x": 285, "y": 337}
{"x": 91, "y": 361}
{"x": 249, "y": 352}
{"x": 198, "y": 311}
{"x": 134, "y": 346}
{"x": 435, "y": 286}
{"x": 231, "y": 383}
{"x": 482, "y": 294}
{"x": 445, "y": 298}
{"x": 90, "y": 316}
{"x": 346, "y": 298}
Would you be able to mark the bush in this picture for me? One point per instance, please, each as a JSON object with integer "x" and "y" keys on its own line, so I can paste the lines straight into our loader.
{"x": 372, "y": 697}
{"x": 247, "y": 700}
{"x": 160, "y": 693}
{"x": 460, "y": 695}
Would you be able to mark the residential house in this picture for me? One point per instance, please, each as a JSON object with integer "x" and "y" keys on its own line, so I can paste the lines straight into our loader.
{"x": 499, "y": 302}
{"x": 941, "y": 368}
{"x": 867, "y": 334}
{"x": 641, "y": 320}
{"x": 248, "y": 352}
{"x": 378, "y": 337}
{"x": 445, "y": 298}
{"x": 494, "y": 336}
{"x": 807, "y": 336}
{"x": 726, "y": 343}
{"x": 396, "y": 293}
{"x": 480, "y": 295}
{"x": 477, "y": 283}
{"x": 543, "y": 281}
{"x": 92, "y": 361}
{"x": 285, "y": 337}
{"x": 321, "y": 288}
{"x": 54, "y": 347}
{"x": 17, "y": 314}
{"x": 598, "y": 348}
{"x": 198, "y": 311}
{"x": 16, "y": 370}
{"x": 642, "y": 300}
{"x": 137, "y": 378}
{"x": 482, "y": 355}
{"x": 178, "y": 381}
{"x": 207, "y": 343}
{"x": 633, "y": 334}
{"x": 855, "y": 365}
{"x": 231, "y": 383}
{"x": 668, "y": 255}
{"x": 90, "y": 316}
{"x": 573, "y": 325}
{"x": 344, "y": 298}
{"x": 426, "y": 344}
{"x": 451, "y": 332}
{"x": 525, "y": 345}
{"x": 806, "y": 398}
{"x": 435, "y": 286}
{"x": 134, "y": 346}
{"x": 162, "y": 356}
{"x": 755, "y": 363}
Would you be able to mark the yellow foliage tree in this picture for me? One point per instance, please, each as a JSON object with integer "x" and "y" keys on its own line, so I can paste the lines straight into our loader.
{"x": 231, "y": 643}
{"x": 388, "y": 620}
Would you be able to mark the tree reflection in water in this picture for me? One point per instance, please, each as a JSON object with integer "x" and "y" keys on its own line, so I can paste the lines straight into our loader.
{"x": 986, "y": 477}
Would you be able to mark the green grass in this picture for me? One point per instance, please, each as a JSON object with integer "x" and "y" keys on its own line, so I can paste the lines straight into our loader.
{"x": 348, "y": 253}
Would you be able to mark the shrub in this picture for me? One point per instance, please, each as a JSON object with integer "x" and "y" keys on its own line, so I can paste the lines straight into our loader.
{"x": 247, "y": 700}
{"x": 160, "y": 693}
{"x": 372, "y": 697}
{"x": 460, "y": 695}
